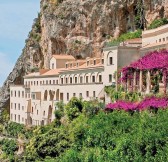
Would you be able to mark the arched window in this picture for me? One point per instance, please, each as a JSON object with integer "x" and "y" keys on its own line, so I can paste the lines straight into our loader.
{"x": 45, "y": 95}
{"x": 43, "y": 113}
{"x": 32, "y": 109}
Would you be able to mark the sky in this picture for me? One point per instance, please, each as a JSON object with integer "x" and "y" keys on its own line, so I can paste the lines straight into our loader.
{"x": 16, "y": 19}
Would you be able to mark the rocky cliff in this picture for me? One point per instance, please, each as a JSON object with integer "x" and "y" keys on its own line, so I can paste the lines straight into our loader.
{"x": 80, "y": 28}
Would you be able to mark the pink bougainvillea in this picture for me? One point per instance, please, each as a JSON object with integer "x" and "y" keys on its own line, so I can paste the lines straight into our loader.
{"x": 153, "y": 60}
{"x": 149, "y": 102}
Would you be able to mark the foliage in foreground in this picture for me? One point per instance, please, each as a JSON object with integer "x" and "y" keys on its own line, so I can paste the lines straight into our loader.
{"x": 116, "y": 136}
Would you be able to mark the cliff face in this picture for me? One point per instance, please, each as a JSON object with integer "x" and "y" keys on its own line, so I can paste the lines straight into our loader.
{"x": 80, "y": 28}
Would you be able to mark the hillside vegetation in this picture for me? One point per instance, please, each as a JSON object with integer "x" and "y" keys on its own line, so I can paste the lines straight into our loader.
{"x": 84, "y": 132}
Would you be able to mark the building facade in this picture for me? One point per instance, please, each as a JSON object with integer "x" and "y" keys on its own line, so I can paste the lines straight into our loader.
{"x": 34, "y": 102}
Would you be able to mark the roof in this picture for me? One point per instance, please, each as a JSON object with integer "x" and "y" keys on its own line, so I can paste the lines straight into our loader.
{"x": 135, "y": 40}
{"x": 62, "y": 57}
{"x": 155, "y": 44}
{"x": 52, "y": 72}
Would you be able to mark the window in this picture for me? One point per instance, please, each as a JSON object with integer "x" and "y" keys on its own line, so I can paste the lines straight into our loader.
{"x": 18, "y": 106}
{"x": 163, "y": 39}
{"x": 53, "y": 81}
{"x": 11, "y": 93}
{"x": 110, "y": 60}
{"x": 33, "y": 96}
{"x": 159, "y": 40}
{"x": 50, "y": 82}
{"x": 81, "y": 79}
{"x": 80, "y": 95}
{"x": 74, "y": 94}
{"x": 40, "y": 82}
{"x": 34, "y": 83}
{"x": 110, "y": 78}
{"x": 94, "y": 62}
{"x": 77, "y": 64}
{"x": 44, "y": 113}
{"x": 93, "y": 79}
{"x": 15, "y": 106}
{"x": 18, "y": 93}
{"x": 87, "y": 93}
{"x": 15, "y": 93}
{"x": 66, "y": 80}
{"x": 23, "y": 108}
{"x": 67, "y": 96}
{"x": 76, "y": 79}
{"x": 62, "y": 80}
{"x": 57, "y": 81}
{"x": 100, "y": 78}
{"x": 70, "y": 80}
{"x": 22, "y": 94}
{"x": 66, "y": 66}
{"x": 52, "y": 65}
{"x": 87, "y": 63}
{"x": 31, "y": 82}
{"x": 11, "y": 105}
{"x": 37, "y": 82}
{"x": 18, "y": 118}
{"x": 37, "y": 112}
{"x": 102, "y": 61}
{"x": 15, "y": 117}
{"x": 94, "y": 94}
{"x": 32, "y": 109}
{"x": 87, "y": 79}
{"x": 46, "y": 81}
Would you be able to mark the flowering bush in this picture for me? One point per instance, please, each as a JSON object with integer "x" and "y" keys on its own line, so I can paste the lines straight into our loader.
{"x": 149, "y": 102}
{"x": 151, "y": 61}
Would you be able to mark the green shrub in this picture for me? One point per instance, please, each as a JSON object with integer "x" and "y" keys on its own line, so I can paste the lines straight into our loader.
{"x": 123, "y": 37}
{"x": 157, "y": 23}
{"x": 8, "y": 146}
{"x": 74, "y": 108}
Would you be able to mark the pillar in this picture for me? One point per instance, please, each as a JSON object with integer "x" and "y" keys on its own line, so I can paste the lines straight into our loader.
{"x": 127, "y": 84}
{"x": 148, "y": 82}
{"x": 140, "y": 81}
{"x": 134, "y": 81}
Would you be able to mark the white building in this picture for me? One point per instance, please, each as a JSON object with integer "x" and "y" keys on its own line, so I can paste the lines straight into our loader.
{"x": 34, "y": 102}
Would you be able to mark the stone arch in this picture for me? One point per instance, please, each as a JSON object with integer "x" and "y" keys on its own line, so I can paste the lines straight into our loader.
{"x": 108, "y": 55}
{"x": 51, "y": 93}
{"x": 45, "y": 95}
{"x": 75, "y": 76}
{"x": 79, "y": 78}
{"x": 91, "y": 77}
{"x": 85, "y": 78}
{"x": 57, "y": 95}
{"x": 97, "y": 77}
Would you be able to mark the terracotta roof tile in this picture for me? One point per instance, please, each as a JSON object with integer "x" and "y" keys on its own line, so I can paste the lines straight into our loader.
{"x": 61, "y": 57}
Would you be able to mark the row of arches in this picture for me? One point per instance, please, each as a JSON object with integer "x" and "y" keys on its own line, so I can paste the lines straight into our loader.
{"x": 51, "y": 95}
{"x": 81, "y": 78}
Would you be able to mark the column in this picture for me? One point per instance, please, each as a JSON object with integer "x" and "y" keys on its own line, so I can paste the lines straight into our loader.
{"x": 140, "y": 81}
{"x": 134, "y": 81}
{"x": 127, "y": 84}
{"x": 148, "y": 82}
